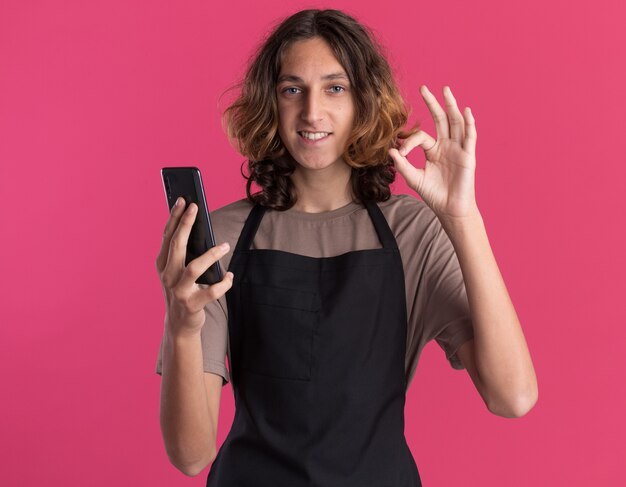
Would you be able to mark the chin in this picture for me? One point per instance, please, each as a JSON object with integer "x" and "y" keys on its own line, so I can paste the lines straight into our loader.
{"x": 316, "y": 163}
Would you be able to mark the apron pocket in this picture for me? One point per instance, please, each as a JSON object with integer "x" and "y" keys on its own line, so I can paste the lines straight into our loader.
{"x": 279, "y": 325}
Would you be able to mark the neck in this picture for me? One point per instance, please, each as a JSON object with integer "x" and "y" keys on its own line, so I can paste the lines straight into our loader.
{"x": 322, "y": 190}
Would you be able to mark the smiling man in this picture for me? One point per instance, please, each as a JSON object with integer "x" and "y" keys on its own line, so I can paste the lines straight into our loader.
{"x": 337, "y": 283}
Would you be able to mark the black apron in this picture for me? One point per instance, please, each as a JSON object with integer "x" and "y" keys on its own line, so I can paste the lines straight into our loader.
{"x": 317, "y": 349}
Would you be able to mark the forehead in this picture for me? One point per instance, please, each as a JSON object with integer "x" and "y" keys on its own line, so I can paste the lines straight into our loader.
{"x": 310, "y": 58}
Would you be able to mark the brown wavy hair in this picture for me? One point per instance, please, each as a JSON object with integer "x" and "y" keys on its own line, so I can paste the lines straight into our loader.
{"x": 380, "y": 111}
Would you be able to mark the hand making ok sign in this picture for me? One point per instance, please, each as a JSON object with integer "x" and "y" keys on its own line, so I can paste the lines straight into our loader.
{"x": 446, "y": 183}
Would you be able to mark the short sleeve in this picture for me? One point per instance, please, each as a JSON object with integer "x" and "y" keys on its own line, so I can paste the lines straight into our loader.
{"x": 214, "y": 337}
{"x": 447, "y": 315}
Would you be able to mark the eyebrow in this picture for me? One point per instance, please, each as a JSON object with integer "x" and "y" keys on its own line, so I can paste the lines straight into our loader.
{"x": 291, "y": 77}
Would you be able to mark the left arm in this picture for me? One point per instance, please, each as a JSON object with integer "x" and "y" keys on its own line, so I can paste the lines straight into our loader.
{"x": 497, "y": 358}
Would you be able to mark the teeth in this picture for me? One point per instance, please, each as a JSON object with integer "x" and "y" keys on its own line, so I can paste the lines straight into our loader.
{"x": 314, "y": 135}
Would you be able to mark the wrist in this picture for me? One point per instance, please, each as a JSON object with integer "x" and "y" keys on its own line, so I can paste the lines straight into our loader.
{"x": 177, "y": 334}
{"x": 471, "y": 217}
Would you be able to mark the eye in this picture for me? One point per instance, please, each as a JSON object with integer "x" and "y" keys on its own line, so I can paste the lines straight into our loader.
{"x": 337, "y": 86}
{"x": 286, "y": 90}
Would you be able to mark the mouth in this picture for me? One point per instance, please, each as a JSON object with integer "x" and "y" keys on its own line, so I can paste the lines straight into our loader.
{"x": 313, "y": 137}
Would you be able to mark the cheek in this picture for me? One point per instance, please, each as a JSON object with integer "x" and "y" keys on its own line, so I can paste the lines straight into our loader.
{"x": 346, "y": 112}
{"x": 347, "y": 120}
{"x": 285, "y": 116}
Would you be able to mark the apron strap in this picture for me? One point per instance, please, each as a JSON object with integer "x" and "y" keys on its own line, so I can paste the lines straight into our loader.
{"x": 250, "y": 228}
{"x": 380, "y": 224}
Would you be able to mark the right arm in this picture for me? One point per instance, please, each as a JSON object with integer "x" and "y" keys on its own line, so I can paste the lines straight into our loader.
{"x": 190, "y": 402}
{"x": 190, "y": 398}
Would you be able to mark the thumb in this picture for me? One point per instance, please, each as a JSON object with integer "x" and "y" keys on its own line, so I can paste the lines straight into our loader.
{"x": 412, "y": 175}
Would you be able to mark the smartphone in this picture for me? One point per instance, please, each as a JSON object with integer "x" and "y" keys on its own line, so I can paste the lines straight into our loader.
{"x": 187, "y": 182}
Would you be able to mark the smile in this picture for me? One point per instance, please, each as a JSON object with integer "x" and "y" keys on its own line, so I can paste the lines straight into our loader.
{"x": 313, "y": 137}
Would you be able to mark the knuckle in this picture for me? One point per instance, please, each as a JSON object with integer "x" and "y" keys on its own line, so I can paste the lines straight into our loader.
{"x": 180, "y": 296}
{"x": 193, "y": 268}
{"x": 176, "y": 243}
{"x": 167, "y": 282}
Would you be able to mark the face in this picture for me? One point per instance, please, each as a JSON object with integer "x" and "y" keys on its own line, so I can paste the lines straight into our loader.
{"x": 315, "y": 105}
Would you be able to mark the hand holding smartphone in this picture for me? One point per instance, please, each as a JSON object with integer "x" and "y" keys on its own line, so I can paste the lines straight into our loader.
{"x": 187, "y": 279}
{"x": 186, "y": 182}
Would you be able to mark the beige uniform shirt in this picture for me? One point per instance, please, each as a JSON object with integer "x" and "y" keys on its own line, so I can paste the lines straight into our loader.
{"x": 436, "y": 298}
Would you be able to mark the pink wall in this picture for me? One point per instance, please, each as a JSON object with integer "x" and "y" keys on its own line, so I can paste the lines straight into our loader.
{"x": 95, "y": 97}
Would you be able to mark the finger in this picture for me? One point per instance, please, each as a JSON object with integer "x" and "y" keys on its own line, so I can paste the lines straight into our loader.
{"x": 178, "y": 245}
{"x": 197, "y": 266}
{"x": 412, "y": 175}
{"x": 469, "y": 143}
{"x": 170, "y": 226}
{"x": 205, "y": 296}
{"x": 457, "y": 123}
{"x": 421, "y": 139}
{"x": 439, "y": 116}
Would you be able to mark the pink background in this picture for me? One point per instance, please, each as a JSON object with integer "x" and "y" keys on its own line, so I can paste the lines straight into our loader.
{"x": 95, "y": 97}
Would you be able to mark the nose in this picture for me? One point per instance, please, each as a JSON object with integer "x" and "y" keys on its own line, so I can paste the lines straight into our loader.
{"x": 312, "y": 109}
